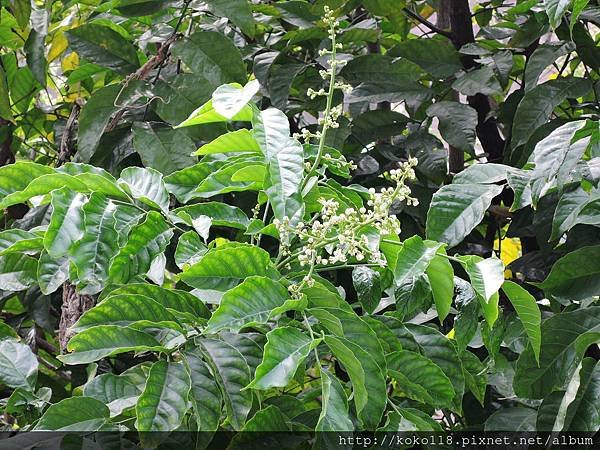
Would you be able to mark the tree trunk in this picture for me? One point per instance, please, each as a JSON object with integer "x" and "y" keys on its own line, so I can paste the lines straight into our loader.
{"x": 456, "y": 157}
{"x": 73, "y": 306}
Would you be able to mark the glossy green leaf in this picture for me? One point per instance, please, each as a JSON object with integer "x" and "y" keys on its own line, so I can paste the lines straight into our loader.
{"x": 478, "y": 81}
{"x": 413, "y": 259}
{"x": 528, "y": 311}
{"x": 456, "y": 209}
{"x": 162, "y": 148}
{"x": 15, "y": 177}
{"x": 515, "y": 419}
{"x": 475, "y": 375}
{"x": 575, "y": 275}
{"x": 74, "y": 414}
{"x": 163, "y": 403}
{"x": 92, "y": 254}
{"x": 367, "y": 283}
{"x": 285, "y": 351}
{"x": 436, "y": 56}
{"x": 442, "y": 352}
{"x": 103, "y": 46}
{"x": 66, "y": 223}
{"x": 285, "y": 159}
{"x": 456, "y": 123}
{"x": 105, "y": 340}
{"x": 17, "y": 271}
{"x": 205, "y": 394}
{"x": 123, "y": 310}
{"x": 41, "y": 186}
{"x": 118, "y": 392}
{"x": 146, "y": 241}
{"x": 334, "y": 414}
{"x": 249, "y": 303}
{"x": 213, "y": 55}
{"x": 221, "y": 214}
{"x": 18, "y": 365}
{"x": 223, "y": 268}
{"x": 238, "y": 11}
{"x": 221, "y": 181}
{"x": 441, "y": 279}
{"x": 420, "y": 379}
{"x": 234, "y": 141}
{"x": 231, "y": 371}
{"x": 183, "y": 304}
{"x": 51, "y": 273}
{"x": 537, "y": 105}
{"x": 147, "y": 186}
{"x": 19, "y": 241}
{"x": 486, "y": 275}
{"x": 368, "y": 380}
{"x": 409, "y": 419}
{"x": 36, "y": 60}
{"x": 555, "y": 10}
{"x": 565, "y": 338}
{"x": 190, "y": 249}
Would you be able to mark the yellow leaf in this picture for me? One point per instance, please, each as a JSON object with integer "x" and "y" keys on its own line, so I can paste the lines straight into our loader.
{"x": 451, "y": 334}
{"x": 58, "y": 46}
{"x": 70, "y": 62}
{"x": 511, "y": 250}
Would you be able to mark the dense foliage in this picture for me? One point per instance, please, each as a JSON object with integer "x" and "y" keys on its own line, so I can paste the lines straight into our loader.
{"x": 290, "y": 215}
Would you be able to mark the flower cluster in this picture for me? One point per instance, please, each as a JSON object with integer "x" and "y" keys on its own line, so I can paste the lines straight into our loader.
{"x": 337, "y": 235}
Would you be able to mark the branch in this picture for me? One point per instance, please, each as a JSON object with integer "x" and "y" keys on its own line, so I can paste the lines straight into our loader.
{"x": 427, "y": 23}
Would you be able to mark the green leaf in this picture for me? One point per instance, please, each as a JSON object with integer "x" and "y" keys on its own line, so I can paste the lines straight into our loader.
{"x": 36, "y": 60}
{"x": 575, "y": 275}
{"x": 409, "y": 419}
{"x": 162, "y": 148}
{"x": 231, "y": 371}
{"x": 105, "y": 340}
{"x": 413, "y": 259}
{"x": 146, "y": 241}
{"x": 43, "y": 185}
{"x": 420, "y": 379}
{"x": 436, "y": 56}
{"x": 555, "y": 10}
{"x": 467, "y": 319}
{"x": 583, "y": 413}
{"x": 18, "y": 365}
{"x": 213, "y": 55}
{"x": 118, "y": 392}
{"x": 554, "y": 158}
{"x": 475, "y": 375}
{"x": 234, "y": 141}
{"x": 441, "y": 351}
{"x": 103, "y": 46}
{"x": 345, "y": 323}
{"x": 441, "y": 279}
{"x": 184, "y": 305}
{"x": 478, "y": 81}
{"x": 368, "y": 380}
{"x": 147, "y": 186}
{"x": 486, "y": 275}
{"x": 226, "y": 267}
{"x": 19, "y": 241}
{"x": 229, "y": 100}
{"x": 537, "y": 105}
{"x": 285, "y": 159}
{"x": 66, "y": 222}
{"x": 205, "y": 395}
{"x": 250, "y": 303}
{"x": 487, "y": 173}
{"x": 528, "y": 311}
{"x": 190, "y": 249}
{"x": 565, "y": 338}
{"x": 367, "y": 283}
{"x": 51, "y": 273}
{"x": 221, "y": 214}
{"x": 164, "y": 401}
{"x": 181, "y": 94}
{"x": 5, "y": 110}
{"x": 456, "y": 123}
{"x": 285, "y": 351}
{"x": 515, "y": 419}
{"x": 123, "y": 310}
{"x": 566, "y": 215}
{"x": 456, "y": 209}
{"x": 334, "y": 411}
{"x": 238, "y": 11}
{"x": 17, "y": 271}
{"x": 543, "y": 56}
{"x": 74, "y": 414}
{"x": 92, "y": 254}
{"x": 17, "y": 176}
{"x": 221, "y": 181}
